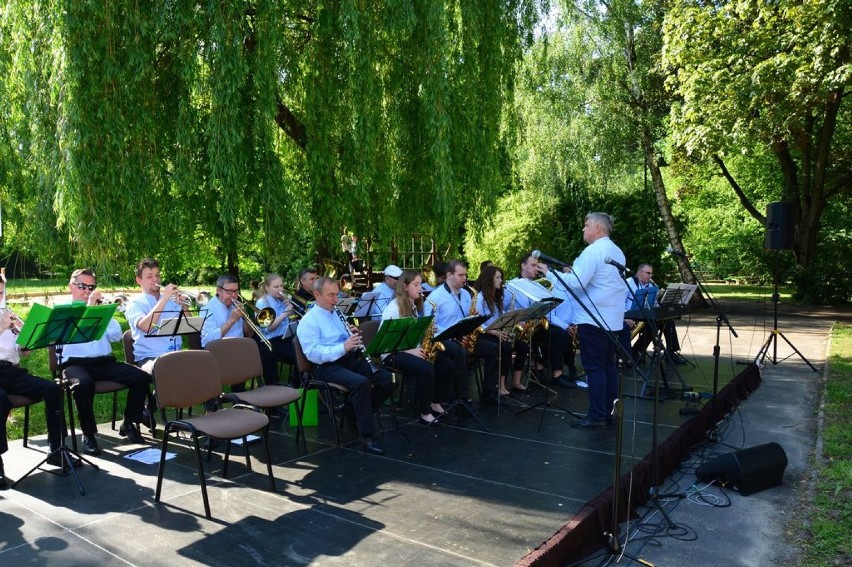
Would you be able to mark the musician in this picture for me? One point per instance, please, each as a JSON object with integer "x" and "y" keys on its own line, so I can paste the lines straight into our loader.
{"x": 408, "y": 302}
{"x": 334, "y": 347}
{"x": 553, "y": 340}
{"x": 439, "y": 269}
{"x": 145, "y": 311}
{"x": 452, "y": 303}
{"x": 16, "y": 380}
{"x": 493, "y": 301}
{"x": 385, "y": 291}
{"x": 279, "y": 333}
{"x": 305, "y": 294}
{"x": 477, "y": 284}
{"x": 84, "y": 364}
{"x": 600, "y": 287}
{"x": 643, "y": 288}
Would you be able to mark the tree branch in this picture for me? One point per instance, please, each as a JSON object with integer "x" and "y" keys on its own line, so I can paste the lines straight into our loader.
{"x": 746, "y": 203}
{"x": 291, "y": 125}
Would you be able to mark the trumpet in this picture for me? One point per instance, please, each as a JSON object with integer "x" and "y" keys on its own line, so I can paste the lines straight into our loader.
{"x": 262, "y": 318}
{"x": 187, "y": 298}
{"x": 17, "y": 323}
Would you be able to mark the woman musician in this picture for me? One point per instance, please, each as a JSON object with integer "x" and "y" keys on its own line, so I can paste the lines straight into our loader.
{"x": 407, "y": 302}
{"x": 493, "y": 301}
{"x": 278, "y": 333}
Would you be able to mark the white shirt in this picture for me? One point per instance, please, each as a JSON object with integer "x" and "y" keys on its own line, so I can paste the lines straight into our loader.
{"x": 449, "y": 307}
{"x": 322, "y": 334}
{"x": 151, "y": 347}
{"x": 528, "y": 292}
{"x": 279, "y": 307}
{"x": 598, "y": 285}
{"x": 9, "y": 349}
{"x": 216, "y": 314}
{"x": 384, "y": 295}
{"x": 483, "y": 309}
{"x": 92, "y": 349}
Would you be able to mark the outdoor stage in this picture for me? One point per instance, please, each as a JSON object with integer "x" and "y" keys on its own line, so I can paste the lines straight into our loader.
{"x": 448, "y": 495}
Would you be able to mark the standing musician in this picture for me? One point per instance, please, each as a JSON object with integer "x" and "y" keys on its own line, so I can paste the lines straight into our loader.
{"x": 16, "y": 380}
{"x": 493, "y": 301}
{"x": 452, "y": 303}
{"x": 600, "y": 287}
{"x": 335, "y": 348}
{"x": 84, "y": 364}
{"x": 554, "y": 340}
{"x": 408, "y": 302}
{"x": 305, "y": 293}
{"x": 278, "y": 333}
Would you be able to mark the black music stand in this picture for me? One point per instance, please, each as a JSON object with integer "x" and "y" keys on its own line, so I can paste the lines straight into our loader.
{"x": 459, "y": 329}
{"x": 180, "y": 324}
{"x": 63, "y": 325}
{"x": 506, "y": 323}
{"x": 366, "y": 302}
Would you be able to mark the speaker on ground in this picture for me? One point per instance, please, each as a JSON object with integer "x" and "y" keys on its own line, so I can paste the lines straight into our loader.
{"x": 748, "y": 470}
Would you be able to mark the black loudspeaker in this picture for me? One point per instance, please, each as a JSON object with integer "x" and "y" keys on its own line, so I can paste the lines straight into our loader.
{"x": 749, "y": 470}
{"x": 780, "y": 225}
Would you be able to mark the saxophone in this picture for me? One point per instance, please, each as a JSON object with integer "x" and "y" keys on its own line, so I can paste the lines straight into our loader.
{"x": 430, "y": 347}
{"x": 469, "y": 341}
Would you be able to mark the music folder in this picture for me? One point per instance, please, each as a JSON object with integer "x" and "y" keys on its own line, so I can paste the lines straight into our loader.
{"x": 180, "y": 324}
{"x": 461, "y": 328}
{"x": 677, "y": 294}
{"x": 64, "y": 324}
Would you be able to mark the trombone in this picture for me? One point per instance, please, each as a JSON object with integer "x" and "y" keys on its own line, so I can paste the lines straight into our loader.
{"x": 262, "y": 318}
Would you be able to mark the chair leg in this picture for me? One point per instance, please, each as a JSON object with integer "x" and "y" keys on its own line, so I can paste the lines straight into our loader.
{"x": 162, "y": 467}
{"x": 268, "y": 461}
{"x": 227, "y": 456}
{"x": 246, "y": 448}
{"x": 114, "y": 408}
{"x": 200, "y": 466}
{"x": 26, "y": 424}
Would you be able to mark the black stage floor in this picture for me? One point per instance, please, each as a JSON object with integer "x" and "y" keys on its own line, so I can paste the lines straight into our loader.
{"x": 448, "y": 495}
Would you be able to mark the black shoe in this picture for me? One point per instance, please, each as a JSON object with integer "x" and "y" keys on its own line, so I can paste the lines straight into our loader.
{"x": 149, "y": 420}
{"x": 589, "y": 423}
{"x": 3, "y": 484}
{"x": 56, "y": 460}
{"x": 129, "y": 430}
{"x": 373, "y": 447}
{"x": 564, "y": 382}
{"x": 90, "y": 445}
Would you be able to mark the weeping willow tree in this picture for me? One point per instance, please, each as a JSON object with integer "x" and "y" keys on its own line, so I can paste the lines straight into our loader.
{"x": 204, "y": 132}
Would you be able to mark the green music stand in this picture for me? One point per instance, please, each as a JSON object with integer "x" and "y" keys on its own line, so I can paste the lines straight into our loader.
{"x": 399, "y": 334}
{"x": 63, "y": 325}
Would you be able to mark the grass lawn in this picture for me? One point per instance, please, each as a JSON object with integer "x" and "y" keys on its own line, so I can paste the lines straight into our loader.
{"x": 750, "y": 292}
{"x": 827, "y": 522}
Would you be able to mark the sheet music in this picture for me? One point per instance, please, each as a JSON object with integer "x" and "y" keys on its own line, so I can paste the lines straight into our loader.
{"x": 677, "y": 293}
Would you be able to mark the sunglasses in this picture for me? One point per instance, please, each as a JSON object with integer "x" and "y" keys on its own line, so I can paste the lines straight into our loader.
{"x": 90, "y": 287}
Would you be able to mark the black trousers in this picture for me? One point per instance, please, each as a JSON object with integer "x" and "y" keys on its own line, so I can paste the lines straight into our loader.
{"x": 368, "y": 391}
{"x": 282, "y": 350}
{"x": 16, "y": 380}
{"x": 81, "y": 375}
{"x": 646, "y": 338}
{"x": 553, "y": 343}
{"x": 423, "y": 373}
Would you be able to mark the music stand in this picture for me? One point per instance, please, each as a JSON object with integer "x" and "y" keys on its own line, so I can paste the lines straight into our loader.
{"x": 506, "y": 323}
{"x": 62, "y": 325}
{"x": 178, "y": 325}
{"x": 347, "y": 305}
{"x": 459, "y": 329}
{"x": 365, "y": 305}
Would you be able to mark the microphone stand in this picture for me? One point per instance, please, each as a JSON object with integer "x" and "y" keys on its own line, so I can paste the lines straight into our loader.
{"x": 613, "y": 544}
{"x": 720, "y": 318}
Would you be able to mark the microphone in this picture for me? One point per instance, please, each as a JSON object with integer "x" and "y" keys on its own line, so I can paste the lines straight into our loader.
{"x": 537, "y": 255}
{"x": 620, "y": 267}
{"x": 677, "y": 253}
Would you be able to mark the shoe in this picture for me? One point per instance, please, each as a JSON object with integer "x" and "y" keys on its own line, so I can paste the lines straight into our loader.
{"x": 3, "y": 484}
{"x": 677, "y": 358}
{"x": 582, "y": 384}
{"x": 520, "y": 388}
{"x": 436, "y": 413}
{"x": 90, "y": 445}
{"x": 373, "y": 447}
{"x": 589, "y": 423}
{"x": 55, "y": 459}
{"x": 129, "y": 430}
{"x": 427, "y": 422}
{"x": 564, "y": 382}
{"x": 149, "y": 420}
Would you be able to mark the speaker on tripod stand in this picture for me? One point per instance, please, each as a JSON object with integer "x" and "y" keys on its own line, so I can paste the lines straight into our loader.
{"x": 780, "y": 226}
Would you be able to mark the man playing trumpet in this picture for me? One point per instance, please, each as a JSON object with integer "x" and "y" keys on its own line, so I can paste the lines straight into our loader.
{"x": 84, "y": 364}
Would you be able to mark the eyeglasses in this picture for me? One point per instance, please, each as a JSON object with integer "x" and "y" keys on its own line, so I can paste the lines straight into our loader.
{"x": 234, "y": 291}
{"x": 90, "y": 287}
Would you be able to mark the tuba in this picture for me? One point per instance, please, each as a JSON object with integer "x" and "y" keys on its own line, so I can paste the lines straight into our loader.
{"x": 429, "y": 346}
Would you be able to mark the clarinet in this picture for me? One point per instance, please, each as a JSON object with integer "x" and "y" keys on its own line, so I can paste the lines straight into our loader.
{"x": 362, "y": 349}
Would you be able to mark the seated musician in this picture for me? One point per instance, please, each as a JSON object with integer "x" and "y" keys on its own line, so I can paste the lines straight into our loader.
{"x": 335, "y": 348}
{"x": 279, "y": 332}
{"x": 385, "y": 291}
{"x": 408, "y": 302}
{"x": 493, "y": 301}
{"x": 641, "y": 287}
{"x": 16, "y": 380}
{"x": 84, "y": 364}
{"x": 553, "y": 340}
{"x": 439, "y": 271}
{"x": 452, "y": 302}
{"x": 145, "y": 312}
{"x": 304, "y": 295}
